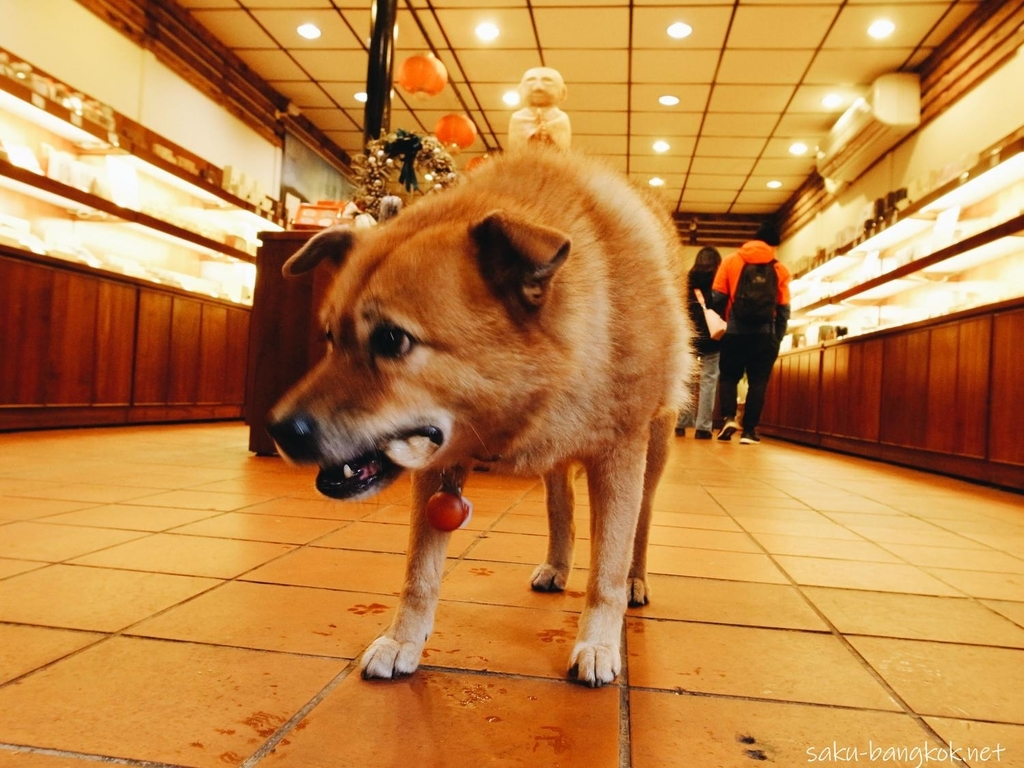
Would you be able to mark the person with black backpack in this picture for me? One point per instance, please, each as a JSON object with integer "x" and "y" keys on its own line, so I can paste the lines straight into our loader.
{"x": 751, "y": 291}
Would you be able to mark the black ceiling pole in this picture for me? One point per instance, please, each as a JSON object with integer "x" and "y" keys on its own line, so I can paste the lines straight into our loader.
{"x": 378, "y": 71}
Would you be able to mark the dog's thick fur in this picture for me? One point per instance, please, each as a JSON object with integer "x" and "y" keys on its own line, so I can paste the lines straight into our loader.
{"x": 532, "y": 317}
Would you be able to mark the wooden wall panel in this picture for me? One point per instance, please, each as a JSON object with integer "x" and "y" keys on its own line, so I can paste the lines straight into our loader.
{"x": 941, "y": 400}
{"x": 810, "y": 372}
{"x": 115, "y": 343}
{"x": 773, "y": 395}
{"x": 186, "y": 327}
{"x": 865, "y": 391}
{"x": 71, "y": 341}
{"x": 826, "y": 394}
{"x": 237, "y": 355}
{"x": 1006, "y": 416}
{"x": 24, "y": 324}
{"x": 973, "y": 381}
{"x": 904, "y": 410}
{"x": 153, "y": 349}
{"x": 784, "y": 388}
{"x": 213, "y": 347}
{"x": 841, "y": 394}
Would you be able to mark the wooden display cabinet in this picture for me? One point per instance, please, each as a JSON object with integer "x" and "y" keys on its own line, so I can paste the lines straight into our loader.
{"x": 286, "y": 338}
{"x": 126, "y": 270}
{"x": 930, "y": 373}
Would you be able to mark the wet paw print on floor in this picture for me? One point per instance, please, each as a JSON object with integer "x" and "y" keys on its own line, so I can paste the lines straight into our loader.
{"x": 264, "y": 723}
{"x": 363, "y": 609}
{"x": 556, "y": 740}
{"x": 554, "y": 635}
{"x": 751, "y": 751}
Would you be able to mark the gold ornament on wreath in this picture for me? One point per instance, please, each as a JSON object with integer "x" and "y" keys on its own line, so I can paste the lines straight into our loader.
{"x": 409, "y": 155}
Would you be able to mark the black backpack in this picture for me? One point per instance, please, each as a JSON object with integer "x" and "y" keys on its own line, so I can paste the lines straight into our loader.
{"x": 756, "y": 294}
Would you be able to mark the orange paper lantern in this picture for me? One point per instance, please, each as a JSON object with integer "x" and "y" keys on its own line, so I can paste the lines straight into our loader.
{"x": 422, "y": 74}
{"x": 455, "y": 130}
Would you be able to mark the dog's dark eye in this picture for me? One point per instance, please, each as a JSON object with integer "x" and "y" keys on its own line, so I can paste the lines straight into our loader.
{"x": 390, "y": 341}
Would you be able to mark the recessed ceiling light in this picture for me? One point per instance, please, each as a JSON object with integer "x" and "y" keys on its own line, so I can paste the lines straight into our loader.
{"x": 656, "y": 182}
{"x": 511, "y": 98}
{"x": 881, "y": 29}
{"x": 361, "y": 97}
{"x": 668, "y": 101}
{"x": 487, "y": 31}
{"x": 679, "y": 30}
{"x": 661, "y": 146}
{"x": 832, "y": 100}
{"x": 774, "y": 184}
{"x": 798, "y": 148}
{"x": 309, "y": 31}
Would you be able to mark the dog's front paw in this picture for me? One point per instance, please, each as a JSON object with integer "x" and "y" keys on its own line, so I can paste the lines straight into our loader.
{"x": 548, "y": 578}
{"x": 639, "y": 592}
{"x": 387, "y": 658}
{"x": 595, "y": 665}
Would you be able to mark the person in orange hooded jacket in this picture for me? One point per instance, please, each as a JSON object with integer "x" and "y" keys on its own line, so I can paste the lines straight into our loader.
{"x": 748, "y": 348}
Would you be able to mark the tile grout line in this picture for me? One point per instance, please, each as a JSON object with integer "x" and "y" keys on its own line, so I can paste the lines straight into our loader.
{"x": 625, "y": 714}
{"x": 270, "y": 745}
{"x": 850, "y": 648}
{"x": 85, "y": 756}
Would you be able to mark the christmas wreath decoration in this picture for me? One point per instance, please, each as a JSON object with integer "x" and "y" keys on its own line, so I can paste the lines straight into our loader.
{"x": 413, "y": 156}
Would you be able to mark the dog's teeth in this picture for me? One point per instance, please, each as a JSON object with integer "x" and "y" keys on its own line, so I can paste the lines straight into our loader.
{"x": 347, "y": 471}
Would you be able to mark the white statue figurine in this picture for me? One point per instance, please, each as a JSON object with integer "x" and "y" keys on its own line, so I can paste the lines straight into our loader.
{"x": 541, "y": 90}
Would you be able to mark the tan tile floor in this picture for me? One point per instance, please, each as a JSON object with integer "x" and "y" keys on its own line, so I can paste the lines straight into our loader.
{"x": 167, "y": 599}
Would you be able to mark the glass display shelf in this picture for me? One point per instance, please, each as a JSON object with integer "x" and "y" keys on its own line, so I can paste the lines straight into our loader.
{"x": 80, "y": 183}
{"x": 959, "y": 248}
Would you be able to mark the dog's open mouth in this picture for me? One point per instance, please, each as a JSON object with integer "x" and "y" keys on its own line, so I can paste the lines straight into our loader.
{"x": 359, "y": 476}
{"x": 370, "y": 472}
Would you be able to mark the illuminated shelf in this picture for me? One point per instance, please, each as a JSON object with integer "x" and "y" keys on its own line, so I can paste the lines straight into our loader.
{"x": 83, "y": 204}
{"x": 84, "y": 186}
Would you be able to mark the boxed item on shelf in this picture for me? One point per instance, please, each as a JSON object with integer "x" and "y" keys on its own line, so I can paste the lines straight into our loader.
{"x": 320, "y": 215}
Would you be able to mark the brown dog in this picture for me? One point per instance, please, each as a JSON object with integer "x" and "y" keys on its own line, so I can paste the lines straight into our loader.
{"x": 531, "y": 317}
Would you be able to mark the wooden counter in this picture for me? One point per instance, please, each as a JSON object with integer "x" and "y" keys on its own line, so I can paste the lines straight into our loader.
{"x": 286, "y": 338}
{"x": 943, "y": 395}
{"x": 81, "y": 347}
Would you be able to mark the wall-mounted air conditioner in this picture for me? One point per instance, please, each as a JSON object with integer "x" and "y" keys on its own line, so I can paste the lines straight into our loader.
{"x": 870, "y": 127}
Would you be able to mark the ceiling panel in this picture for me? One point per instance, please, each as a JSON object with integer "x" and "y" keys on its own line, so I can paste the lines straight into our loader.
{"x": 752, "y": 126}
{"x": 748, "y": 66}
{"x": 236, "y": 29}
{"x": 750, "y": 78}
{"x": 913, "y": 23}
{"x": 598, "y": 28}
{"x": 710, "y": 26}
{"x": 773, "y": 26}
{"x": 669, "y": 124}
{"x": 750, "y": 98}
{"x": 282, "y": 26}
{"x": 585, "y": 66}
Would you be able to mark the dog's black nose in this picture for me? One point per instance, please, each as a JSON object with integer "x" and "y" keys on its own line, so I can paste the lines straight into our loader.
{"x": 297, "y": 436}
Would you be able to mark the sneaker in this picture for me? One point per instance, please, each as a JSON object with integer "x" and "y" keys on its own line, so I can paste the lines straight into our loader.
{"x": 728, "y": 429}
{"x": 750, "y": 438}
{"x": 702, "y": 434}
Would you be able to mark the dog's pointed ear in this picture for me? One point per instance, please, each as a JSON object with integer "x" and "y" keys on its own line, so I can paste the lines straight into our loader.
{"x": 519, "y": 257}
{"x": 333, "y": 243}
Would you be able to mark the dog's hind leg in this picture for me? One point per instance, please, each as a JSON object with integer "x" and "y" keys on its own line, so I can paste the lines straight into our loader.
{"x": 657, "y": 457}
{"x": 398, "y": 650}
{"x": 553, "y": 574}
{"x": 615, "y": 480}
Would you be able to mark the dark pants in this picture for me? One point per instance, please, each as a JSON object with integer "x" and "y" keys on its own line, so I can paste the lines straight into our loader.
{"x": 753, "y": 354}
